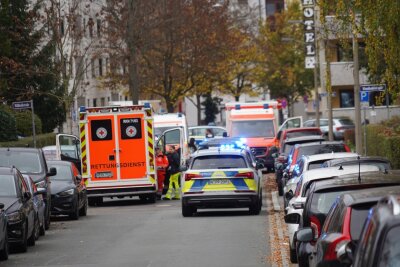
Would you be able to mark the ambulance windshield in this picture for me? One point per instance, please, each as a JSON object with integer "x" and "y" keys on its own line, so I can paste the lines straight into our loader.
{"x": 158, "y": 131}
{"x": 256, "y": 128}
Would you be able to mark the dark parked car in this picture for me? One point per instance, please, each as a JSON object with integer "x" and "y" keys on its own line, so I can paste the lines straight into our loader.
{"x": 39, "y": 205}
{"x": 18, "y": 205}
{"x": 383, "y": 163}
{"x": 31, "y": 161}
{"x": 379, "y": 243}
{"x": 3, "y": 234}
{"x": 68, "y": 190}
{"x": 320, "y": 197}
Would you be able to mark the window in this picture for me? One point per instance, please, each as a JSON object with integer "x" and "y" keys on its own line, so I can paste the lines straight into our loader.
{"x": 100, "y": 67}
{"x": 219, "y": 162}
{"x": 93, "y": 67}
{"x": 84, "y": 27}
{"x": 390, "y": 255}
{"x": 7, "y": 186}
{"x": 26, "y": 162}
{"x": 259, "y": 128}
{"x": 346, "y": 98}
{"x": 62, "y": 27}
{"x": 88, "y": 102}
{"x": 102, "y": 101}
{"x": 94, "y": 102}
{"x": 98, "y": 27}
{"x": 91, "y": 24}
{"x": 63, "y": 172}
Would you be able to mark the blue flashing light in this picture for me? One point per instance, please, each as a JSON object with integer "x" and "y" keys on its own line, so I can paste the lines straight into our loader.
{"x": 237, "y": 106}
{"x": 227, "y": 146}
{"x": 243, "y": 140}
{"x": 146, "y": 105}
{"x": 82, "y": 109}
{"x": 266, "y": 106}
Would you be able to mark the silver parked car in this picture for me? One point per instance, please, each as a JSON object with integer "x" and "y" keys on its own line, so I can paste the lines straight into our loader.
{"x": 340, "y": 125}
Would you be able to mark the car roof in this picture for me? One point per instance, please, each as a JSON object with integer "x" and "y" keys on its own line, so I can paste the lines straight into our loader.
{"x": 358, "y": 197}
{"x": 311, "y": 138}
{"x": 329, "y": 156}
{"x": 335, "y": 171}
{"x": 320, "y": 143}
{"x": 218, "y": 151}
{"x": 207, "y": 127}
{"x": 20, "y": 149}
{"x": 59, "y": 162}
{"x": 302, "y": 129}
{"x": 6, "y": 170}
{"x": 220, "y": 141}
{"x": 355, "y": 159}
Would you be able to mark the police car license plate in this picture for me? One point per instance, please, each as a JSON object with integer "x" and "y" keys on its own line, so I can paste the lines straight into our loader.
{"x": 219, "y": 181}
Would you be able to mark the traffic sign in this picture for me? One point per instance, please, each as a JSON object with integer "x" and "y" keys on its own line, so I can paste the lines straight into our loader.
{"x": 22, "y": 105}
{"x": 373, "y": 87}
{"x": 364, "y": 96}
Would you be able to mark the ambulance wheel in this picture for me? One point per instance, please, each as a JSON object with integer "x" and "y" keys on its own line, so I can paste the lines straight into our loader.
{"x": 95, "y": 201}
{"x": 152, "y": 198}
{"x": 187, "y": 211}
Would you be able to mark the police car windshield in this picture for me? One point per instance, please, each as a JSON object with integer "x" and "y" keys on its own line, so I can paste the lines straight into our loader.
{"x": 7, "y": 186}
{"x": 219, "y": 162}
{"x": 259, "y": 128}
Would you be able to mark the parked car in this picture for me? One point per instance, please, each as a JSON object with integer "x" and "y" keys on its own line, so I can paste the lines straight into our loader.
{"x": 281, "y": 159}
{"x": 310, "y": 162}
{"x": 383, "y": 163}
{"x": 69, "y": 196}
{"x": 340, "y": 125}
{"x": 19, "y": 209}
{"x": 298, "y": 199}
{"x": 379, "y": 243}
{"x": 199, "y": 133}
{"x": 4, "y": 248}
{"x": 311, "y": 149}
{"x": 297, "y": 132}
{"x": 39, "y": 205}
{"x": 320, "y": 198}
{"x": 31, "y": 161}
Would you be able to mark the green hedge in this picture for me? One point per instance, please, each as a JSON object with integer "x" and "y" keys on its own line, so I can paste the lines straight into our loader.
{"x": 8, "y": 130}
{"x": 24, "y": 123}
{"x": 384, "y": 140}
{"x": 41, "y": 141}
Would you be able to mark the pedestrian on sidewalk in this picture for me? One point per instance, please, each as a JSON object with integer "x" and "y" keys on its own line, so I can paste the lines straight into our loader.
{"x": 174, "y": 171}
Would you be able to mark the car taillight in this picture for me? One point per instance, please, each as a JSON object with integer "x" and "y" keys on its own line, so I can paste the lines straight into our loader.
{"x": 330, "y": 253}
{"x": 315, "y": 226}
{"x": 340, "y": 128}
{"x": 190, "y": 176}
{"x": 248, "y": 175}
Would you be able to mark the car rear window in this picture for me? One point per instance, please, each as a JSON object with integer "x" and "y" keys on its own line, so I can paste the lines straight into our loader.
{"x": 322, "y": 202}
{"x": 390, "y": 255}
{"x": 218, "y": 162}
{"x": 346, "y": 122}
{"x": 302, "y": 133}
{"x": 316, "y": 164}
{"x": 321, "y": 149}
{"x": 7, "y": 186}
{"x": 383, "y": 166}
{"x": 63, "y": 172}
{"x": 358, "y": 216}
{"x": 26, "y": 162}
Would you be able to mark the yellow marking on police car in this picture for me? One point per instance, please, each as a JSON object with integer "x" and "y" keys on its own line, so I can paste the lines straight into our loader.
{"x": 187, "y": 185}
{"x": 218, "y": 174}
{"x": 251, "y": 184}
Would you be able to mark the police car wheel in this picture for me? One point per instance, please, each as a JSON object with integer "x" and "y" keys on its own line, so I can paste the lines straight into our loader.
{"x": 254, "y": 209}
{"x": 187, "y": 211}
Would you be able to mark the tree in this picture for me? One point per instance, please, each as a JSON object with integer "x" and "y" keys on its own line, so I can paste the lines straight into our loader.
{"x": 26, "y": 60}
{"x": 377, "y": 23}
{"x": 211, "y": 107}
{"x": 283, "y": 57}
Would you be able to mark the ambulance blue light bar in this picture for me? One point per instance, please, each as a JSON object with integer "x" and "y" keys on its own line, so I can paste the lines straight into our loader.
{"x": 265, "y": 106}
{"x": 146, "y": 105}
{"x": 82, "y": 109}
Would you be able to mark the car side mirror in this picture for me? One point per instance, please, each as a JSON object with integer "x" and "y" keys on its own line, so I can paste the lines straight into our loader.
{"x": 52, "y": 172}
{"x": 183, "y": 168}
{"x": 305, "y": 235}
{"x": 292, "y": 218}
{"x": 289, "y": 195}
{"x": 27, "y": 196}
{"x": 40, "y": 191}
{"x": 78, "y": 178}
{"x": 260, "y": 165}
{"x": 1, "y": 206}
{"x": 345, "y": 253}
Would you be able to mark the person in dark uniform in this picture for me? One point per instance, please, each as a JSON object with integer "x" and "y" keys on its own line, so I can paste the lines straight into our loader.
{"x": 174, "y": 172}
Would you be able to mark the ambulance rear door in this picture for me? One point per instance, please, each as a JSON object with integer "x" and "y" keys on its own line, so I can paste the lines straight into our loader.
{"x": 68, "y": 149}
{"x": 173, "y": 137}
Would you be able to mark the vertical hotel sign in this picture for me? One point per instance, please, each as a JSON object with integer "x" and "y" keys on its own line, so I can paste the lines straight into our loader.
{"x": 309, "y": 33}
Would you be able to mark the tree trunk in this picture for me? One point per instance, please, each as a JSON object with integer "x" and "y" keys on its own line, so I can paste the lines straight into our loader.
{"x": 134, "y": 86}
{"x": 198, "y": 106}
{"x": 237, "y": 98}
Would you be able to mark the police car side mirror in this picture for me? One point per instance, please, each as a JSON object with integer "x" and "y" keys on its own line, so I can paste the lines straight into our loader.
{"x": 183, "y": 168}
{"x": 260, "y": 165}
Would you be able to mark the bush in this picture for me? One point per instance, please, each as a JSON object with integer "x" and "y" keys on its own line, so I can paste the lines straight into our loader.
{"x": 24, "y": 123}
{"x": 41, "y": 141}
{"x": 8, "y": 130}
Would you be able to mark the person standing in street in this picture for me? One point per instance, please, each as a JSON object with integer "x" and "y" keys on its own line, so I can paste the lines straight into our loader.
{"x": 192, "y": 145}
{"x": 162, "y": 165}
{"x": 173, "y": 169}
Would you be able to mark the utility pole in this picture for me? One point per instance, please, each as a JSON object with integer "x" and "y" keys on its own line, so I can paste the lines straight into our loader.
{"x": 357, "y": 105}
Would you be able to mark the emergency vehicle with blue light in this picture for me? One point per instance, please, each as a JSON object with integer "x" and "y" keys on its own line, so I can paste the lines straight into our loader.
{"x": 116, "y": 152}
{"x": 222, "y": 176}
{"x": 259, "y": 124}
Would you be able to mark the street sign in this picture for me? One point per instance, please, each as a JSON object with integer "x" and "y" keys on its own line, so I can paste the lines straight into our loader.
{"x": 22, "y": 105}
{"x": 373, "y": 87}
{"x": 364, "y": 96}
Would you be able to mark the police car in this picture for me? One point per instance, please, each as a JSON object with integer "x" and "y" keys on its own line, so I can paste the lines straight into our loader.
{"x": 222, "y": 175}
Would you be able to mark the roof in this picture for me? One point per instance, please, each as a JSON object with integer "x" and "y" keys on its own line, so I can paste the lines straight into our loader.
{"x": 6, "y": 170}
{"x": 337, "y": 161}
{"x": 217, "y": 151}
{"x": 220, "y": 141}
{"x": 207, "y": 127}
{"x": 320, "y": 143}
{"x": 329, "y": 156}
{"x": 20, "y": 149}
{"x": 334, "y": 171}
{"x": 369, "y": 195}
{"x": 301, "y": 129}
{"x": 310, "y": 138}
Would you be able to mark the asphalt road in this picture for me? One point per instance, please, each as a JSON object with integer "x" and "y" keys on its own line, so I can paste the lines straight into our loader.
{"x": 133, "y": 233}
